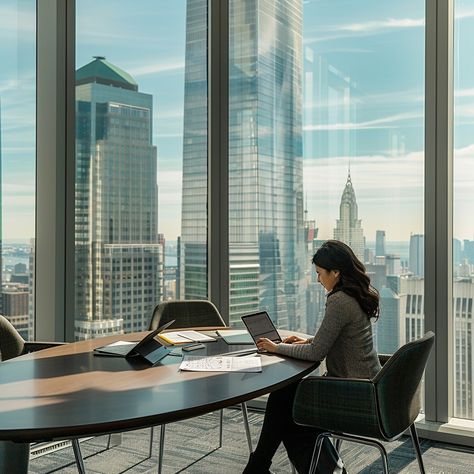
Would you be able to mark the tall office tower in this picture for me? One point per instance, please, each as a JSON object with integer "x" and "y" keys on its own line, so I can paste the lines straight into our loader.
{"x": 393, "y": 264}
{"x": 416, "y": 259}
{"x": 457, "y": 251}
{"x": 15, "y": 307}
{"x": 265, "y": 159}
{"x": 379, "y": 243}
{"x": 463, "y": 296}
{"x": 119, "y": 259}
{"x": 411, "y": 313}
{"x": 468, "y": 250}
{"x": 348, "y": 226}
{"x": 387, "y": 326}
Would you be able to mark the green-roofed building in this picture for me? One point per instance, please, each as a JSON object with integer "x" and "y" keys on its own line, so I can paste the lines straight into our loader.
{"x": 119, "y": 260}
{"x": 101, "y": 71}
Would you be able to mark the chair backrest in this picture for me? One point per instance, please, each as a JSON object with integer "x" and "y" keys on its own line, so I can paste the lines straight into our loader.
{"x": 397, "y": 385}
{"x": 187, "y": 313}
{"x": 11, "y": 343}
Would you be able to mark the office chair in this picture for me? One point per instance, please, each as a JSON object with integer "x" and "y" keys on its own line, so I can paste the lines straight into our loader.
{"x": 192, "y": 313}
{"x": 14, "y": 457}
{"x": 366, "y": 411}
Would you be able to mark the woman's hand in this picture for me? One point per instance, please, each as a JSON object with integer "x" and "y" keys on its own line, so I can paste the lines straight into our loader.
{"x": 265, "y": 344}
{"x": 295, "y": 340}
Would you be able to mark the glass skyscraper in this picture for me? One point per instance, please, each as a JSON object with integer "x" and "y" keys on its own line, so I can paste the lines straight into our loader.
{"x": 266, "y": 229}
{"x": 119, "y": 274}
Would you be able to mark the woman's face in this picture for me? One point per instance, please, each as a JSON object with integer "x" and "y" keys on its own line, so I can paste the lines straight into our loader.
{"x": 327, "y": 278}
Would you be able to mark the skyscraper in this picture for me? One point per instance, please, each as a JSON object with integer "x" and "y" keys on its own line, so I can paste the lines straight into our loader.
{"x": 348, "y": 226}
{"x": 416, "y": 259}
{"x": 379, "y": 243}
{"x": 119, "y": 273}
{"x": 266, "y": 232}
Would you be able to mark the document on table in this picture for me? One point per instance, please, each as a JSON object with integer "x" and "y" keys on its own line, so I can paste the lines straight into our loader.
{"x": 221, "y": 363}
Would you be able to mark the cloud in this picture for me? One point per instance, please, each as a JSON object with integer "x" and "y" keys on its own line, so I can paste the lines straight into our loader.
{"x": 367, "y": 28}
{"x": 17, "y": 22}
{"x": 383, "y": 25}
{"x": 463, "y": 92}
{"x": 158, "y": 68}
{"x": 387, "y": 98}
{"x": 383, "y": 122}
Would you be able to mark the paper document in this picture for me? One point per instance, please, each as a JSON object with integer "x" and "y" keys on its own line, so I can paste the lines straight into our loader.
{"x": 180, "y": 337}
{"x": 221, "y": 364}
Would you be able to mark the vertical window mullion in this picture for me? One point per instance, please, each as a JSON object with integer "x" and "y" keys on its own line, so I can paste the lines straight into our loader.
{"x": 438, "y": 206}
{"x": 218, "y": 234}
{"x": 50, "y": 260}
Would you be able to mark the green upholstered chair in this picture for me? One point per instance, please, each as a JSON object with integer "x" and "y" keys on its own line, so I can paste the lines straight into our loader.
{"x": 367, "y": 411}
{"x": 192, "y": 313}
{"x": 14, "y": 457}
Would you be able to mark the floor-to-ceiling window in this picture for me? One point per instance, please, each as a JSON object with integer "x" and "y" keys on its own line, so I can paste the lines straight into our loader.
{"x": 326, "y": 140}
{"x": 141, "y": 160}
{"x": 463, "y": 225}
{"x": 363, "y": 152}
{"x": 17, "y": 161}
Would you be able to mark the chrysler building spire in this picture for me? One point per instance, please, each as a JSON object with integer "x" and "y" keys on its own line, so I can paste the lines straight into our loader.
{"x": 348, "y": 227}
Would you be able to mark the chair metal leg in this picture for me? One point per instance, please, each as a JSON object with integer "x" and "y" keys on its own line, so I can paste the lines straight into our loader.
{"x": 221, "y": 426}
{"x": 416, "y": 445}
{"x": 317, "y": 451}
{"x": 246, "y": 425}
{"x": 150, "y": 449}
{"x": 161, "y": 449}
{"x": 78, "y": 455}
{"x": 367, "y": 441}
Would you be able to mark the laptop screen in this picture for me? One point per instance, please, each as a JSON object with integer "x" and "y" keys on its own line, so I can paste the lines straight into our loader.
{"x": 260, "y": 325}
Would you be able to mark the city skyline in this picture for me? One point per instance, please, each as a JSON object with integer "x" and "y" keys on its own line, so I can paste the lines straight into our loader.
{"x": 341, "y": 39}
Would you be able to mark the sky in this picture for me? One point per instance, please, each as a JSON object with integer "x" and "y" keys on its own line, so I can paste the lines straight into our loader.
{"x": 367, "y": 115}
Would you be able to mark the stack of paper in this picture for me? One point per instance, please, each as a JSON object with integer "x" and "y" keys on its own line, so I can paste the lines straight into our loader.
{"x": 179, "y": 337}
{"x": 221, "y": 364}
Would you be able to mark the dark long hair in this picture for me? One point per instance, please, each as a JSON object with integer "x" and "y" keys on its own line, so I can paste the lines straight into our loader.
{"x": 353, "y": 280}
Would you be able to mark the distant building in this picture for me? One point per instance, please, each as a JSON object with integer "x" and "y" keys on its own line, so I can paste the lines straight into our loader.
{"x": 379, "y": 243}
{"x": 457, "y": 252}
{"x": 348, "y": 226}
{"x": 388, "y": 325}
{"x": 468, "y": 251}
{"x": 412, "y": 327}
{"x": 393, "y": 264}
{"x": 15, "y": 308}
{"x": 416, "y": 259}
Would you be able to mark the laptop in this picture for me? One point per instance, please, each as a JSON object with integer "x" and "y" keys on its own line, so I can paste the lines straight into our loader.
{"x": 260, "y": 325}
{"x": 128, "y": 349}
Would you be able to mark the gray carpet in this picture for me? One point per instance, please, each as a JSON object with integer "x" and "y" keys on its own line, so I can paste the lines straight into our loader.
{"x": 188, "y": 440}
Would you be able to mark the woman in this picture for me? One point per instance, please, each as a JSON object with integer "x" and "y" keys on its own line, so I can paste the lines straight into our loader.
{"x": 344, "y": 340}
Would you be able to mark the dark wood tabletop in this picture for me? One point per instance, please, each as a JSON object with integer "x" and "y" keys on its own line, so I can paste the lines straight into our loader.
{"x": 68, "y": 392}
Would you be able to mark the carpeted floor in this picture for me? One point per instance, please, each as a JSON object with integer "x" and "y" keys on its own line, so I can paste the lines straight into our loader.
{"x": 188, "y": 440}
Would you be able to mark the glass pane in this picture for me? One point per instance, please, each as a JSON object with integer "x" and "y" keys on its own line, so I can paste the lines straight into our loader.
{"x": 17, "y": 161}
{"x": 141, "y": 149}
{"x": 326, "y": 141}
{"x": 463, "y": 232}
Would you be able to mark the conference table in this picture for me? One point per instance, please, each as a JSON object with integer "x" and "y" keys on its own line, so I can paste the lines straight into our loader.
{"x": 67, "y": 392}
